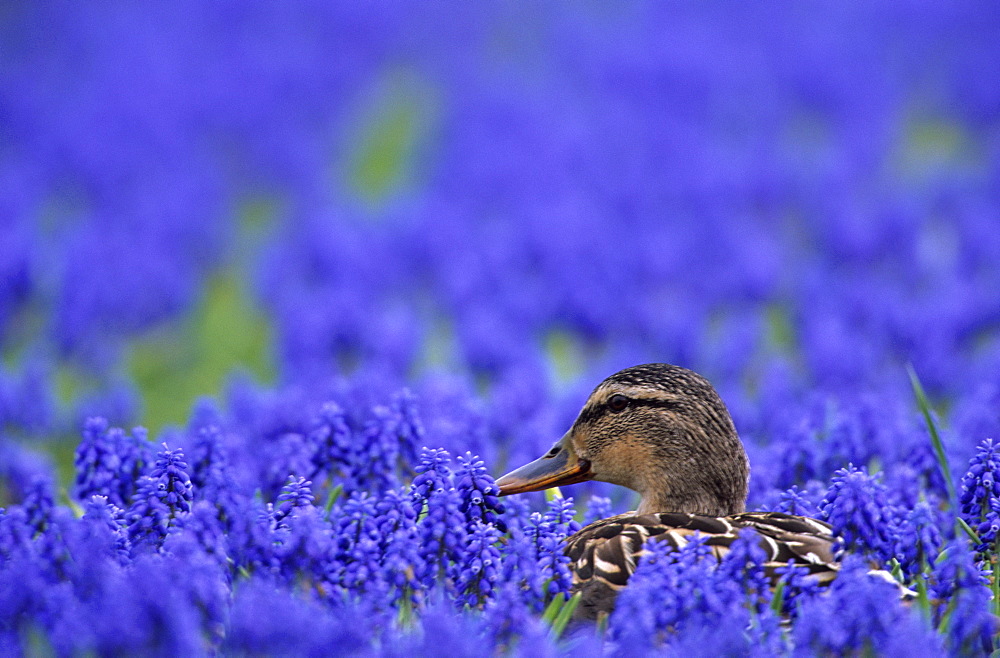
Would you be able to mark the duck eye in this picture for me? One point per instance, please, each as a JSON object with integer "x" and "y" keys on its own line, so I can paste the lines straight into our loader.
{"x": 617, "y": 402}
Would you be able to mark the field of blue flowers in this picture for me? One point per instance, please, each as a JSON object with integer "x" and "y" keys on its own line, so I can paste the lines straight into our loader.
{"x": 283, "y": 286}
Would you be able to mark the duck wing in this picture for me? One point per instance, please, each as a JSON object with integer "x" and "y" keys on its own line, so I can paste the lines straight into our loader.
{"x": 605, "y": 554}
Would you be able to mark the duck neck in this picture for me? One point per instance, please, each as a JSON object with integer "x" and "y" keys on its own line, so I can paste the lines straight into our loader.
{"x": 692, "y": 502}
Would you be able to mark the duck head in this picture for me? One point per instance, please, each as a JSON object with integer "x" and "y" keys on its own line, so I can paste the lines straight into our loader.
{"x": 658, "y": 429}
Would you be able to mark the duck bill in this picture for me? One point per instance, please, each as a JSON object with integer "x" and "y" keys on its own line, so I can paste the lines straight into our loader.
{"x": 558, "y": 467}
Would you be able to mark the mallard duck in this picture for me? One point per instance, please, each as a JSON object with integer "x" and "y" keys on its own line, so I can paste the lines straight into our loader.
{"x": 663, "y": 431}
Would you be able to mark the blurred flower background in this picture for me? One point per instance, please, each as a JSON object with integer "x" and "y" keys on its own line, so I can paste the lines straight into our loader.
{"x": 298, "y": 242}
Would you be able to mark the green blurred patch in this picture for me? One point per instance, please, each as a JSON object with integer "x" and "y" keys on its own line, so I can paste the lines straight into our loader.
{"x": 930, "y": 145}
{"x": 780, "y": 330}
{"x": 70, "y": 383}
{"x": 393, "y": 129}
{"x": 440, "y": 347}
{"x": 173, "y": 366}
{"x": 935, "y": 140}
{"x": 567, "y": 354}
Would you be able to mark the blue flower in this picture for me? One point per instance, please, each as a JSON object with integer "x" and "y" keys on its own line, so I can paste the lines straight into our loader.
{"x": 268, "y": 619}
{"x": 304, "y": 546}
{"x": 980, "y": 498}
{"x": 378, "y": 448}
{"x": 534, "y": 555}
{"x": 442, "y": 526}
{"x": 356, "y": 544}
{"x": 861, "y": 612}
{"x": 798, "y": 502}
{"x": 109, "y": 462}
{"x": 480, "y": 495}
{"x": 479, "y": 570}
{"x": 106, "y": 524}
{"x": 333, "y": 439}
{"x": 961, "y": 590}
{"x": 857, "y": 507}
{"x": 38, "y": 504}
{"x": 296, "y": 493}
{"x": 163, "y": 495}
{"x": 598, "y": 507}
{"x": 797, "y": 585}
{"x": 402, "y": 560}
{"x": 208, "y": 459}
{"x": 197, "y": 534}
{"x": 433, "y": 475}
{"x": 919, "y": 538}
{"x": 675, "y": 595}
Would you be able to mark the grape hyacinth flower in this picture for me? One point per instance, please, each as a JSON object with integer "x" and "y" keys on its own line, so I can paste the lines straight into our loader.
{"x": 332, "y": 437}
{"x": 356, "y": 544}
{"x": 441, "y": 526}
{"x": 598, "y": 507}
{"x": 106, "y": 523}
{"x": 534, "y": 554}
{"x": 200, "y": 532}
{"x": 857, "y": 508}
{"x": 296, "y": 493}
{"x": 479, "y": 570}
{"x": 480, "y": 495}
{"x": 676, "y": 594}
{"x": 919, "y": 539}
{"x": 409, "y": 429}
{"x": 108, "y": 462}
{"x": 399, "y": 544}
{"x": 980, "y": 499}
{"x": 163, "y": 495}
{"x": 378, "y": 449}
{"x": 796, "y": 585}
{"x": 961, "y": 589}
{"x": 433, "y": 477}
{"x": 304, "y": 544}
{"x": 859, "y": 613}
{"x": 798, "y": 502}
{"x": 208, "y": 458}
{"x": 96, "y": 461}
{"x": 38, "y": 503}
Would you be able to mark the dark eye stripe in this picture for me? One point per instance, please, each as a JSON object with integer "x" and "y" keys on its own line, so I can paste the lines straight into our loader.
{"x": 592, "y": 413}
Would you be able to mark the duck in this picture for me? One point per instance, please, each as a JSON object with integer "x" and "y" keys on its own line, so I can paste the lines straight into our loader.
{"x": 663, "y": 431}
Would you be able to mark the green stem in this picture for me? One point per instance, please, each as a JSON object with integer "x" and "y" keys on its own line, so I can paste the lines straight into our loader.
{"x": 942, "y": 459}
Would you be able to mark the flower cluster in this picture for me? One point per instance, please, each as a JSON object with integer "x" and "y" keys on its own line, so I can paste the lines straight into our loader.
{"x": 366, "y": 562}
{"x": 981, "y": 495}
{"x": 857, "y": 507}
{"x": 485, "y": 209}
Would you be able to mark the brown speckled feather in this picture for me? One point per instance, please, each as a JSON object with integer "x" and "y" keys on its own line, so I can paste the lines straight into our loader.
{"x": 604, "y": 554}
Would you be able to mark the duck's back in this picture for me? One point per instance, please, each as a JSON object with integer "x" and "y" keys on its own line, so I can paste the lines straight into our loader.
{"x": 604, "y": 554}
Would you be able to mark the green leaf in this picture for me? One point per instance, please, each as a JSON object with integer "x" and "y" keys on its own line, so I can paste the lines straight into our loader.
{"x": 995, "y": 580}
{"x": 925, "y": 409}
{"x": 896, "y": 571}
{"x": 552, "y": 609}
{"x": 973, "y": 535}
{"x": 923, "y": 600}
{"x": 331, "y": 498}
{"x": 565, "y": 614}
{"x": 778, "y": 598}
{"x": 404, "y": 615}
